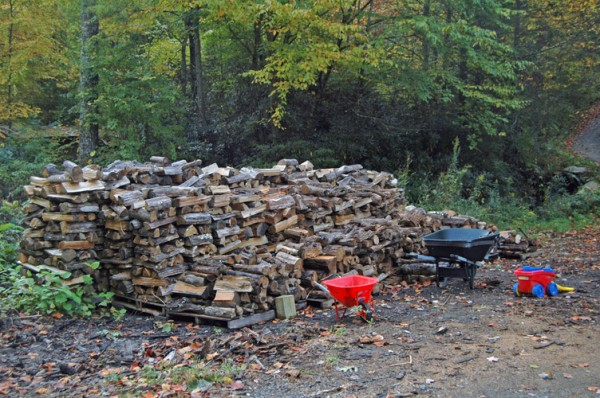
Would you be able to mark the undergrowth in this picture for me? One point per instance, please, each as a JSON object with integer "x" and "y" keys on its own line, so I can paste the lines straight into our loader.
{"x": 49, "y": 292}
{"x": 495, "y": 202}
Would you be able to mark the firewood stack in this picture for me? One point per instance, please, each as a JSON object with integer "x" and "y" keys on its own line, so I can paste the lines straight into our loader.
{"x": 517, "y": 245}
{"x": 179, "y": 238}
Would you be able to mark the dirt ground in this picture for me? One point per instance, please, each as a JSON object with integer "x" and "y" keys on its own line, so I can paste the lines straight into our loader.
{"x": 452, "y": 342}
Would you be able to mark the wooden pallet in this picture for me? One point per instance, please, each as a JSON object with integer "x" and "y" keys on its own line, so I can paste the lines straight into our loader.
{"x": 320, "y": 303}
{"x": 234, "y": 323}
{"x": 155, "y": 309}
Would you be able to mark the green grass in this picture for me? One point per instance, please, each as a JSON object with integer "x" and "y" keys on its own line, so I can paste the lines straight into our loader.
{"x": 194, "y": 375}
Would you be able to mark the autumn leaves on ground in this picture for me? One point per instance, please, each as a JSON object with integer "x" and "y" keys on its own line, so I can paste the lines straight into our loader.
{"x": 425, "y": 340}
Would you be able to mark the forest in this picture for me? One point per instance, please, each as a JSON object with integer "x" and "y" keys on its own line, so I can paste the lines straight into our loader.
{"x": 279, "y": 144}
{"x": 468, "y": 102}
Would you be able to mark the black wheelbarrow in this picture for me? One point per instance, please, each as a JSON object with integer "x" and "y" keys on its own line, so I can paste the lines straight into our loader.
{"x": 458, "y": 252}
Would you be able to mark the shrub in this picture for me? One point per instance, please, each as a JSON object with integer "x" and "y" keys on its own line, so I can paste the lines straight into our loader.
{"x": 48, "y": 292}
{"x": 25, "y": 155}
{"x": 10, "y": 231}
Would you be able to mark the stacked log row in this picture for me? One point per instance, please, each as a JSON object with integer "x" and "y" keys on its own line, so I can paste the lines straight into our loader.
{"x": 517, "y": 245}
{"x": 63, "y": 230}
{"x": 171, "y": 224}
{"x": 145, "y": 229}
{"x": 117, "y": 253}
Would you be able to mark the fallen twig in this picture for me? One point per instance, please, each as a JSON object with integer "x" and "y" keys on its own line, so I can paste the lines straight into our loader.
{"x": 29, "y": 316}
{"x": 544, "y": 344}
{"x": 448, "y": 299}
{"x": 335, "y": 389}
{"x": 225, "y": 353}
{"x": 254, "y": 358}
{"x": 146, "y": 336}
{"x": 466, "y": 359}
{"x": 257, "y": 336}
{"x": 410, "y": 361}
{"x": 268, "y": 347}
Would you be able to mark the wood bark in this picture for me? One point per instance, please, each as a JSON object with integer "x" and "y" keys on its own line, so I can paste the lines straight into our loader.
{"x": 88, "y": 82}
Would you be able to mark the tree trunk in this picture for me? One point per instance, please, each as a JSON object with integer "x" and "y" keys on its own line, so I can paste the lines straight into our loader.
{"x": 426, "y": 48}
{"x": 9, "y": 92}
{"x": 517, "y": 26}
{"x": 183, "y": 72}
{"x": 88, "y": 83}
{"x": 192, "y": 21}
{"x": 446, "y": 62}
{"x": 258, "y": 50}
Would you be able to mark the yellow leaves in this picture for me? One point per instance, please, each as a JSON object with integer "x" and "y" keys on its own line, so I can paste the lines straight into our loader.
{"x": 304, "y": 44}
{"x": 16, "y": 110}
{"x": 191, "y": 3}
{"x": 162, "y": 53}
{"x": 277, "y": 116}
{"x": 35, "y": 54}
{"x": 565, "y": 15}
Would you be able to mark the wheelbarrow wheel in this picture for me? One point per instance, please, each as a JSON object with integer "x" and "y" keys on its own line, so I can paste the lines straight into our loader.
{"x": 366, "y": 313}
{"x": 472, "y": 272}
{"x": 441, "y": 281}
{"x": 538, "y": 291}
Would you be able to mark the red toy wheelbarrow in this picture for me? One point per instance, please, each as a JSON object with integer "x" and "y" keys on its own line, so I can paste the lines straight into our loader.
{"x": 352, "y": 291}
{"x": 535, "y": 281}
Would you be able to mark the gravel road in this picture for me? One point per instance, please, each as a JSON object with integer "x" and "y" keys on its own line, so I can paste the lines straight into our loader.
{"x": 587, "y": 143}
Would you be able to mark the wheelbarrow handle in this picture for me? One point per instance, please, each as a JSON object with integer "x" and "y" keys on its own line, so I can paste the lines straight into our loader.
{"x": 422, "y": 257}
{"x": 461, "y": 259}
{"x": 323, "y": 288}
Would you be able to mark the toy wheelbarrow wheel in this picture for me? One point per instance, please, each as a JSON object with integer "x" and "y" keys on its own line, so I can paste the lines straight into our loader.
{"x": 538, "y": 291}
{"x": 516, "y": 289}
{"x": 552, "y": 289}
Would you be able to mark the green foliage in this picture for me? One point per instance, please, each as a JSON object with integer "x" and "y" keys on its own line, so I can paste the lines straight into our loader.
{"x": 568, "y": 211}
{"x": 304, "y": 42}
{"x": 487, "y": 200}
{"x": 10, "y": 231}
{"x": 47, "y": 293}
{"x": 332, "y": 360}
{"x": 33, "y": 57}
{"x": 27, "y": 151}
{"x": 165, "y": 327}
{"x": 322, "y": 157}
{"x": 137, "y": 105}
{"x": 338, "y": 330}
{"x": 464, "y": 71}
{"x": 449, "y": 189}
